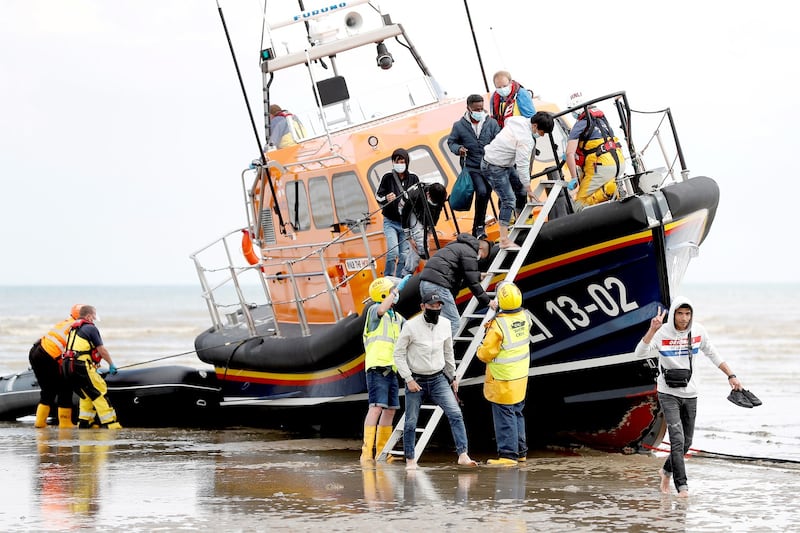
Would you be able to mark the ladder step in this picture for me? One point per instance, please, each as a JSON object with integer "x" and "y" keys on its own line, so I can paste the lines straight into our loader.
{"x": 462, "y": 338}
{"x": 474, "y": 315}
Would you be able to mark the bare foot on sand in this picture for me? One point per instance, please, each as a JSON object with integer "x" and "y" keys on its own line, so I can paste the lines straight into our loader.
{"x": 411, "y": 464}
{"x": 684, "y": 493}
{"x": 464, "y": 460}
{"x": 665, "y": 477}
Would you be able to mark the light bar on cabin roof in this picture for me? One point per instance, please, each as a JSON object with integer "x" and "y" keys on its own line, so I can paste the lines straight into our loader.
{"x": 332, "y": 48}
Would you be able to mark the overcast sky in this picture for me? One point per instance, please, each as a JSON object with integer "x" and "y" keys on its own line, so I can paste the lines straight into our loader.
{"x": 124, "y": 131}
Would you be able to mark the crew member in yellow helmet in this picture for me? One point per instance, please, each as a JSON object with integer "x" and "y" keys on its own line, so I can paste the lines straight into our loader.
{"x": 381, "y": 329}
{"x": 506, "y": 351}
{"x": 44, "y": 357}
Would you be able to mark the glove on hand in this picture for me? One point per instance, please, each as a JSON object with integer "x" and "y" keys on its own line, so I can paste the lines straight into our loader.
{"x": 112, "y": 370}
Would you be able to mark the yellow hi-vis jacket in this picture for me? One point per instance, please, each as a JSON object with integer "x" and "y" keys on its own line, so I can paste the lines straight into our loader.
{"x": 55, "y": 341}
{"x": 506, "y": 351}
{"x": 379, "y": 343}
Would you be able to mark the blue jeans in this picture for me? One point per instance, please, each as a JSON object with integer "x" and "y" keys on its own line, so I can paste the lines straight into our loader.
{"x": 509, "y": 430}
{"x": 438, "y": 391}
{"x": 449, "y": 309}
{"x": 499, "y": 178}
{"x": 395, "y": 239}
{"x": 680, "y": 414}
{"x": 482, "y": 193}
{"x": 382, "y": 389}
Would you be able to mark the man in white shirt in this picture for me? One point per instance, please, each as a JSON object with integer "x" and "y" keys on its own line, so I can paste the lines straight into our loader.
{"x": 512, "y": 146}
{"x": 424, "y": 357}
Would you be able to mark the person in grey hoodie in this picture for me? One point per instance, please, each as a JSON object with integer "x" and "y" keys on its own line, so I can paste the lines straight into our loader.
{"x": 675, "y": 338}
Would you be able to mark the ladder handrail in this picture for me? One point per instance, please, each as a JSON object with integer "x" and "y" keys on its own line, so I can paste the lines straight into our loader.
{"x": 468, "y": 315}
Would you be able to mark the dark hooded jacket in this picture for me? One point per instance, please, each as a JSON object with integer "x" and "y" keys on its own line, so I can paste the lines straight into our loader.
{"x": 392, "y": 182}
{"x": 456, "y": 265}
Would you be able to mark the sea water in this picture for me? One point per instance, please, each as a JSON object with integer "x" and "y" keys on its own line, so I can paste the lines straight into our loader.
{"x": 744, "y": 476}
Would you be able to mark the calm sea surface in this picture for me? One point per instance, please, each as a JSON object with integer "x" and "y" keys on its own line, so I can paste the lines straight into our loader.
{"x": 257, "y": 480}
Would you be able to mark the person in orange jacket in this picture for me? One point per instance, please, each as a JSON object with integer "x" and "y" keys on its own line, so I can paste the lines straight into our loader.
{"x": 44, "y": 358}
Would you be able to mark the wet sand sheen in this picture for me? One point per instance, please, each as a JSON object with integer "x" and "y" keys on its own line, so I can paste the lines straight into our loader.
{"x": 257, "y": 480}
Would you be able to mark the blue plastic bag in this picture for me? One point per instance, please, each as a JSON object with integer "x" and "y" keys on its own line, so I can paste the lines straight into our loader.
{"x": 463, "y": 190}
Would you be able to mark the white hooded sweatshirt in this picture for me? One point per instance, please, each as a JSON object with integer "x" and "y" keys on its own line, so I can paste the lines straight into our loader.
{"x": 671, "y": 346}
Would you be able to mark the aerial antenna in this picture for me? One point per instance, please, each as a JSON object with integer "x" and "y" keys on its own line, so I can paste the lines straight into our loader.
{"x": 250, "y": 114}
{"x": 477, "y": 50}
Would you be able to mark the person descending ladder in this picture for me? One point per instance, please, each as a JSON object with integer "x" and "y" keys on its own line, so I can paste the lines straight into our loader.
{"x": 497, "y": 268}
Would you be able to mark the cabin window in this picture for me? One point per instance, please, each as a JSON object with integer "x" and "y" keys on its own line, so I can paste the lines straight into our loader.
{"x": 297, "y": 202}
{"x": 423, "y": 164}
{"x": 348, "y": 197}
{"x": 321, "y": 206}
{"x": 452, "y": 158}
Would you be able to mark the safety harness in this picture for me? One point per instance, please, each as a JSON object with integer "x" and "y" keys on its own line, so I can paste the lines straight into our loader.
{"x": 610, "y": 144}
{"x": 70, "y": 354}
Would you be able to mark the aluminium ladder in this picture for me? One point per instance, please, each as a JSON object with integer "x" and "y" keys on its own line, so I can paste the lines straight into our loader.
{"x": 520, "y": 226}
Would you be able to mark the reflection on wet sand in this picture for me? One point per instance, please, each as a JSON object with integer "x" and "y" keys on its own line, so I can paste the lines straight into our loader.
{"x": 258, "y": 480}
{"x": 70, "y": 463}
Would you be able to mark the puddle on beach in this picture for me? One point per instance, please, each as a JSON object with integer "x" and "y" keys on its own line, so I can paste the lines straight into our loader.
{"x": 236, "y": 480}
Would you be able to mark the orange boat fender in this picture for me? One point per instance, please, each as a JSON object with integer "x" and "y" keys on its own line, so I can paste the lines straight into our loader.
{"x": 247, "y": 248}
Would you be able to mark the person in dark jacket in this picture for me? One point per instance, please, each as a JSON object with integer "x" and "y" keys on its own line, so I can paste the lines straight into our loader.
{"x": 450, "y": 268}
{"x": 392, "y": 194}
{"x": 469, "y": 135}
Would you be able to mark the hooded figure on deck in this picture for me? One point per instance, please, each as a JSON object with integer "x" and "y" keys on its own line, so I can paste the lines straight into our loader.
{"x": 676, "y": 339}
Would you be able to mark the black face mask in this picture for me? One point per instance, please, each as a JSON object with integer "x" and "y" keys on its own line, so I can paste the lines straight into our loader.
{"x": 432, "y": 315}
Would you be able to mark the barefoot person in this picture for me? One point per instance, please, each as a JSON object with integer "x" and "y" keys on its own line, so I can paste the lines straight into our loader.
{"x": 676, "y": 339}
{"x": 424, "y": 357}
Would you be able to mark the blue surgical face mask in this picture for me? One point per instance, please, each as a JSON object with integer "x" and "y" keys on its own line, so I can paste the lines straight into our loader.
{"x": 504, "y": 91}
{"x": 477, "y": 115}
{"x": 399, "y": 167}
{"x": 536, "y": 135}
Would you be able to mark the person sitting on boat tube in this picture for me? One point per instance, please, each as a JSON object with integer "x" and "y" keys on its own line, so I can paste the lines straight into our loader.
{"x": 44, "y": 358}
{"x": 506, "y": 351}
{"x": 79, "y": 364}
{"x": 594, "y": 155}
{"x": 285, "y": 129}
{"x": 420, "y": 215}
{"x": 392, "y": 195}
{"x": 381, "y": 329}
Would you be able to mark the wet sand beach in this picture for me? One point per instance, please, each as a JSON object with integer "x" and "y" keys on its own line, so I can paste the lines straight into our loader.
{"x": 257, "y": 480}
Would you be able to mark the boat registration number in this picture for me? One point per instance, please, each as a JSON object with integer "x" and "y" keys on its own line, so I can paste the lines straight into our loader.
{"x": 354, "y": 265}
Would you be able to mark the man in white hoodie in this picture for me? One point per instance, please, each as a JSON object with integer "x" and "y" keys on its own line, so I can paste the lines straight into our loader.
{"x": 676, "y": 342}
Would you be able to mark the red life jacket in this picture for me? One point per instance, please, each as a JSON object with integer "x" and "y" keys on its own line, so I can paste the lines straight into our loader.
{"x": 502, "y": 109}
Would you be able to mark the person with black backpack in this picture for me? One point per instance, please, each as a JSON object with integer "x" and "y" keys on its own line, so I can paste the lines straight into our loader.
{"x": 594, "y": 155}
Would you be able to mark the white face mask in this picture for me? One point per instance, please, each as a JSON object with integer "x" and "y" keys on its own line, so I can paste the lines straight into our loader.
{"x": 399, "y": 167}
{"x": 477, "y": 115}
{"x": 504, "y": 91}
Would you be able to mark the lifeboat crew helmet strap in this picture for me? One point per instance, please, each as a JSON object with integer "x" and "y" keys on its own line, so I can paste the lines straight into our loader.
{"x": 380, "y": 289}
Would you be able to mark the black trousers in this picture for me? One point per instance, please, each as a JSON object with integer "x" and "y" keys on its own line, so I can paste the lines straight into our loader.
{"x": 51, "y": 383}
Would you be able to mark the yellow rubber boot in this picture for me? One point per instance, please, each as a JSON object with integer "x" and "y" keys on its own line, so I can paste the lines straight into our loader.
{"x": 369, "y": 444}
{"x": 65, "y": 417}
{"x": 42, "y": 412}
{"x": 381, "y": 438}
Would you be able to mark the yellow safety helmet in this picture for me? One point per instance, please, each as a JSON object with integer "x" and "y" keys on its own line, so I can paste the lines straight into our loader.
{"x": 75, "y": 312}
{"x": 380, "y": 289}
{"x": 509, "y": 296}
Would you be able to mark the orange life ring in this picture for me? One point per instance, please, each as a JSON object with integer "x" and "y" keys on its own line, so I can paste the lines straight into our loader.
{"x": 247, "y": 248}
